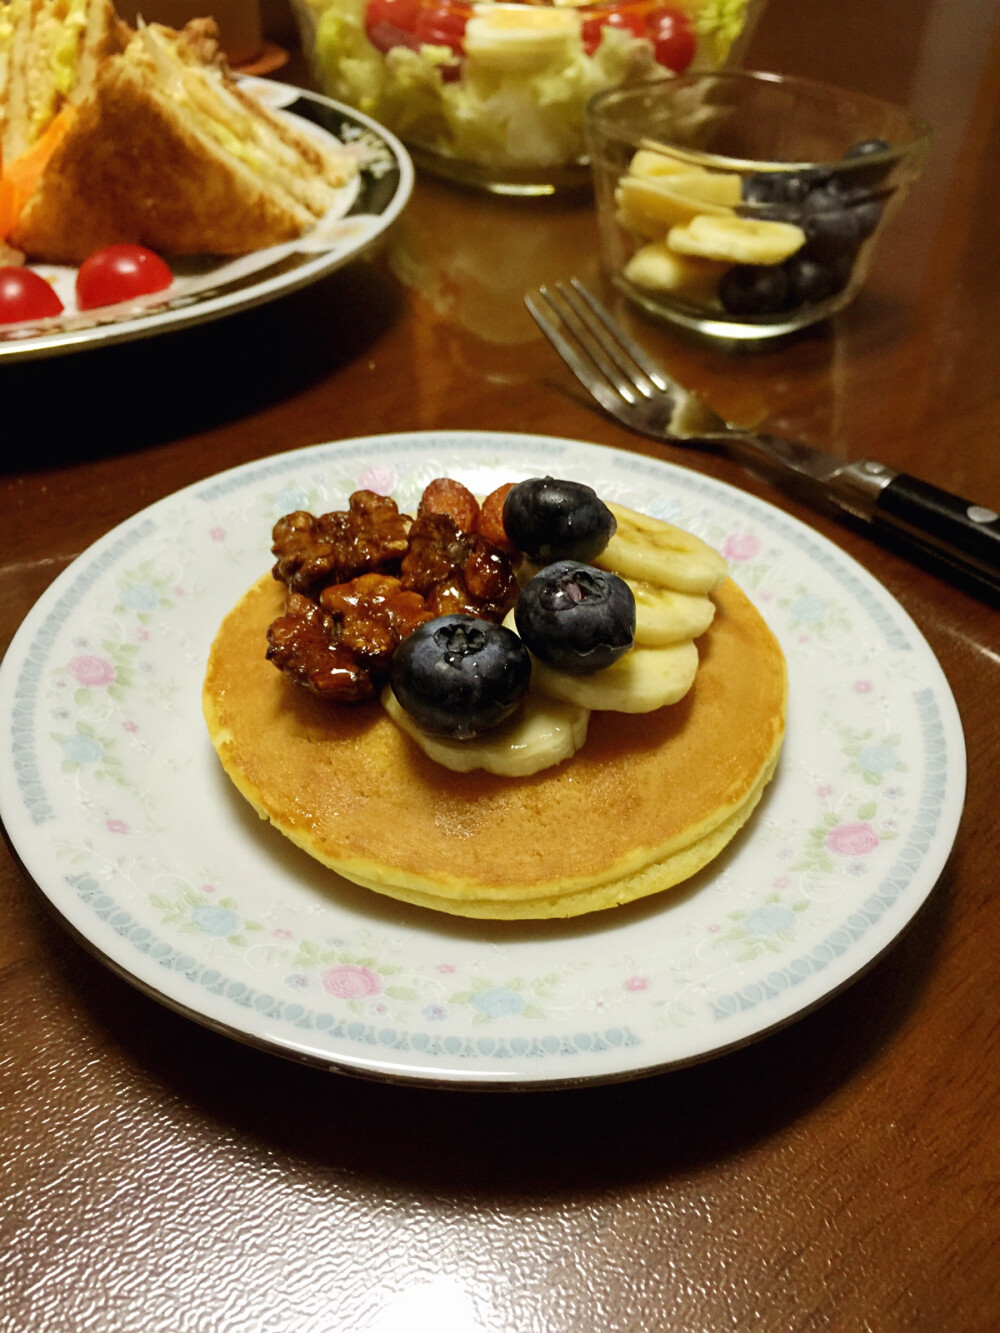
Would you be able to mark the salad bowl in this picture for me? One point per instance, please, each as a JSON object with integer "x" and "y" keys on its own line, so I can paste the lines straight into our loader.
{"x": 492, "y": 94}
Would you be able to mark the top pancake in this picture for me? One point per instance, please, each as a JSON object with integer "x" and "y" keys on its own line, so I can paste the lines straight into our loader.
{"x": 648, "y": 800}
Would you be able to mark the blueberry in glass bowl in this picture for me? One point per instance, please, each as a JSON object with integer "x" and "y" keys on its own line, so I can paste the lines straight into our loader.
{"x": 746, "y": 205}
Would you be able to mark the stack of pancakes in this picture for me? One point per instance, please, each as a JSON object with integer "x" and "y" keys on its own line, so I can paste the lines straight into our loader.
{"x": 647, "y": 802}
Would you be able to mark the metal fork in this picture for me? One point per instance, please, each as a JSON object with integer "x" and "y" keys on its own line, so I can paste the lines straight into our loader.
{"x": 638, "y": 392}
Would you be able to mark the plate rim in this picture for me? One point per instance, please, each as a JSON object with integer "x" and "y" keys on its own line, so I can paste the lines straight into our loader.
{"x": 174, "y": 320}
{"x": 457, "y": 1076}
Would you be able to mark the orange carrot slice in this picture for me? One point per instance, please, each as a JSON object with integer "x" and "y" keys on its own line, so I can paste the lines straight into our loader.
{"x": 20, "y": 177}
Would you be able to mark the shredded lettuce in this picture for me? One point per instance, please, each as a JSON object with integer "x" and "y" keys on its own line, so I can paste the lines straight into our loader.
{"x": 722, "y": 21}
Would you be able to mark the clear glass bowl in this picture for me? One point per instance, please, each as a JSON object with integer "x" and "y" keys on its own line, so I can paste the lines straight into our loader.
{"x": 746, "y": 205}
{"x": 492, "y": 94}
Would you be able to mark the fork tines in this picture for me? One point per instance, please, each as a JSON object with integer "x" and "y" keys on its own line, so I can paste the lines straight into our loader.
{"x": 596, "y": 348}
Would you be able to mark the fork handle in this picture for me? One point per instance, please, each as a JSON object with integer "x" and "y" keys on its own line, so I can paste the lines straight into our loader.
{"x": 965, "y": 535}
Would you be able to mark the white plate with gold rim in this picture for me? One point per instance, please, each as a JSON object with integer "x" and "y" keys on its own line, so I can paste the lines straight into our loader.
{"x": 113, "y": 798}
{"x": 207, "y": 287}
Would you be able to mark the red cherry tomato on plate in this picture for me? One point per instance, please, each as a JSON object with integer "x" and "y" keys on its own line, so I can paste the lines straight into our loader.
{"x": 120, "y": 273}
{"x": 25, "y": 295}
{"x": 390, "y": 23}
{"x": 673, "y": 39}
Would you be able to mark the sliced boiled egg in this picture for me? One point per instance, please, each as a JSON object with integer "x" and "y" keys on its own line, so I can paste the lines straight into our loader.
{"x": 520, "y": 38}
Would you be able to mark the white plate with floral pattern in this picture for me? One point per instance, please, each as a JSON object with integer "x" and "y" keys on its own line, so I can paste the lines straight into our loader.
{"x": 208, "y": 287}
{"x": 114, "y": 799}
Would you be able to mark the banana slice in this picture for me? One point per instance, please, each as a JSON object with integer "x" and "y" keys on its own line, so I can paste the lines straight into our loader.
{"x": 658, "y": 269}
{"x": 721, "y": 188}
{"x": 663, "y": 616}
{"x": 544, "y": 732}
{"x": 652, "y": 551}
{"x": 736, "y": 240}
{"x": 644, "y": 679}
{"x": 658, "y": 205}
{"x": 634, "y": 220}
{"x": 654, "y": 166}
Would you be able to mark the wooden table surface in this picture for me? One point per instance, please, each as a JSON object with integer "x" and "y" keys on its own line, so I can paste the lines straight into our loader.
{"x": 840, "y": 1174}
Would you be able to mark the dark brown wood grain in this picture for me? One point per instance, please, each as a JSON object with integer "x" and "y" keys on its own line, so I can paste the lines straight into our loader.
{"x": 841, "y": 1174}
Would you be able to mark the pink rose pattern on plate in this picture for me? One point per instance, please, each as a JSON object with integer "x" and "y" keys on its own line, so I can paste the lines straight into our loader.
{"x": 349, "y": 982}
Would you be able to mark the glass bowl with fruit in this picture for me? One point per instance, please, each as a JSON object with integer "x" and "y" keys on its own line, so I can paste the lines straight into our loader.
{"x": 746, "y": 205}
{"x": 493, "y": 94}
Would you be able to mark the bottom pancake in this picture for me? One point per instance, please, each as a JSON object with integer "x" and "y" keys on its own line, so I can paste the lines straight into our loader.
{"x": 649, "y": 800}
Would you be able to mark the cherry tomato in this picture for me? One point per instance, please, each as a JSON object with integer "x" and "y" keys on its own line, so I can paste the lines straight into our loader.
{"x": 25, "y": 295}
{"x": 443, "y": 25}
{"x": 390, "y": 23}
{"x": 673, "y": 39}
{"x": 120, "y": 273}
{"x": 630, "y": 17}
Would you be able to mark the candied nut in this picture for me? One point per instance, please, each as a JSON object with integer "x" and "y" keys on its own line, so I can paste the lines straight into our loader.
{"x": 490, "y": 579}
{"x": 437, "y": 550}
{"x": 491, "y": 519}
{"x": 373, "y": 613}
{"x": 313, "y": 552}
{"x": 456, "y": 572}
{"x": 347, "y": 610}
{"x": 451, "y": 597}
{"x": 304, "y": 643}
{"x": 445, "y": 496}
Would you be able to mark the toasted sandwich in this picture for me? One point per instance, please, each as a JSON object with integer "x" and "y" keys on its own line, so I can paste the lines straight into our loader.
{"x": 152, "y": 142}
{"x": 50, "y": 53}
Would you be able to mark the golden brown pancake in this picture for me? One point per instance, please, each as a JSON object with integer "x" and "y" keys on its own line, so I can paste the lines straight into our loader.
{"x": 648, "y": 801}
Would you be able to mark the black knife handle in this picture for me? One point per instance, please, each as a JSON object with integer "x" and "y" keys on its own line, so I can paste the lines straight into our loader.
{"x": 966, "y": 535}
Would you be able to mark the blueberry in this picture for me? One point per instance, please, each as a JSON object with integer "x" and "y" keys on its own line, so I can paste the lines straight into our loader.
{"x": 458, "y": 676}
{"x": 867, "y": 146}
{"x": 866, "y": 206}
{"x": 779, "y": 187}
{"x": 575, "y": 617}
{"x": 557, "y": 520}
{"x": 875, "y": 173}
{"x": 832, "y": 229}
{"x": 840, "y": 271}
{"x": 763, "y": 188}
{"x": 868, "y": 214}
{"x": 808, "y": 280}
{"x": 811, "y": 281}
{"x": 754, "y": 289}
{"x": 773, "y": 212}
